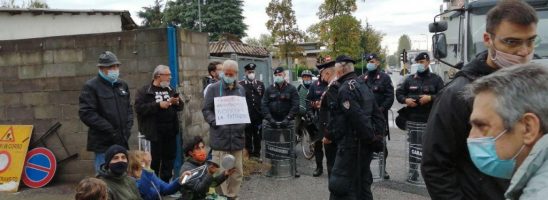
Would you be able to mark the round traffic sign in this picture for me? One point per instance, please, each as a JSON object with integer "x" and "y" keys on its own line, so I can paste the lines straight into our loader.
{"x": 40, "y": 166}
{"x": 5, "y": 160}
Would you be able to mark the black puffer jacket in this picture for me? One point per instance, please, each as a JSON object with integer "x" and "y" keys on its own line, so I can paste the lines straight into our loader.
{"x": 148, "y": 110}
{"x": 280, "y": 103}
{"x": 106, "y": 109}
{"x": 446, "y": 165}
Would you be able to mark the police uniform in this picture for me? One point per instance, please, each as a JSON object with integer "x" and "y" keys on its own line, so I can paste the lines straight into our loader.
{"x": 326, "y": 116}
{"x": 317, "y": 88}
{"x": 254, "y": 90}
{"x": 415, "y": 85}
{"x": 381, "y": 86}
{"x": 354, "y": 131}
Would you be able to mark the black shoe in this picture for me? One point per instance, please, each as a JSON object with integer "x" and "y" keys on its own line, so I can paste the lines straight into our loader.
{"x": 386, "y": 176}
{"x": 297, "y": 175}
{"x": 317, "y": 172}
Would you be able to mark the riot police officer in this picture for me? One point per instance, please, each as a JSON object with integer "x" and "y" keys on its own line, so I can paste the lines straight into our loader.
{"x": 381, "y": 85}
{"x": 355, "y": 131}
{"x": 418, "y": 91}
{"x": 254, "y": 90}
{"x": 315, "y": 92}
{"x": 280, "y": 102}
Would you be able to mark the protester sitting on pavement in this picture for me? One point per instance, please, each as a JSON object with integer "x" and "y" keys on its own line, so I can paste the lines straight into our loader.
{"x": 113, "y": 172}
{"x": 509, "y": 125}
{"x": 150, "y": 186}
{"x": 198, "y": 185}
{"x": 91, "y": 189}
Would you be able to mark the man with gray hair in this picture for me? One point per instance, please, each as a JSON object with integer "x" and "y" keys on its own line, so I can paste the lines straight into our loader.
{"x": 509, "y": 123}
{"x": 157, "y": 104}
{"x": 226, "y": 139}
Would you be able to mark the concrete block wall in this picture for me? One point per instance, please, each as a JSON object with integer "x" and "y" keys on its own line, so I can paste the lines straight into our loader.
{"x": 41, "y": 79}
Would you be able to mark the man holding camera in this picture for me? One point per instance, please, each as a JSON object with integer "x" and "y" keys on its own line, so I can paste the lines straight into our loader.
{"x": 157, "y": 105}
{"x": 418, "y": 91}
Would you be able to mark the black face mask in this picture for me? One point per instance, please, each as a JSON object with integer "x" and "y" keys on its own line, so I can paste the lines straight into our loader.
{"x": 118, "y": 168}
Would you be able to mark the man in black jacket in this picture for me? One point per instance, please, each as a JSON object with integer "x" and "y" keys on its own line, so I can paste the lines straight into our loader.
{"x": 157, "y": 105}
{"x": 418, "y": 92}
{"x": 105, "y": 108}
{"x": 381, "y": 85}
{"x": 446, "y": 165}
{"x": 254, "y": 90}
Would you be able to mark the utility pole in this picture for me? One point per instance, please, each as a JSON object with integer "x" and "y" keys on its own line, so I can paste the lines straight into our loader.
{"x": 200, "y": 15}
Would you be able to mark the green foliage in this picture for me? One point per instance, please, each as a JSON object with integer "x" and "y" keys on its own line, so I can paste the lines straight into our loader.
{"x": 218, "y": 16}
{"x": 344, "y": 36}
{"x": 152, "y": 15}
{"x": 264, "y": 40}
{"x": 332, "y": 8}
{"x": 403, "y": 43}
{"x": 283, "y": 27}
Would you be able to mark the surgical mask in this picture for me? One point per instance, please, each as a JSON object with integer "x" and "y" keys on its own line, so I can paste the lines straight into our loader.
{"x": 220, "y": 74}
{"x": 279, "y": 79}
{"x": 228, "y": 80}
{"x": 164, "y": 84}
{"x": 113, "y": 74}
{"x": 199, "y": 155}
{"x": 506, "y": 60}
{"x": 118, "y": 168}
{"x": 371, "y": 67}
{"x": 251, "y": 76}
{"x": 484, "y": 156}
{"x": 420, "y": 68}
{"x": 307, "y": 82}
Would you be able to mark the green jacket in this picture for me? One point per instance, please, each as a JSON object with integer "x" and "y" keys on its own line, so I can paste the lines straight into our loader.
{"x": 530, "y": 180}
{"x": 119, "y": 187}
{"x": 303, "y": 92}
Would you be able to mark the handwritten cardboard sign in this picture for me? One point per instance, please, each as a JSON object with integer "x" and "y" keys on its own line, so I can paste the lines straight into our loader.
{"x": 231, "y": 110}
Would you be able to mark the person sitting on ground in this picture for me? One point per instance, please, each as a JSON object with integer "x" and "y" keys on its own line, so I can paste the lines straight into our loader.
{"x": 150, "y": 186}
{"x": 197, "y": 186}
{"x": 113, "y": 172}
{"x": 91, "y": 189}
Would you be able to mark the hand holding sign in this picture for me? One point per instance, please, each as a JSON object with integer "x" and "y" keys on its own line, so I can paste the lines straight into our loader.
{"x": 231, "y": 110}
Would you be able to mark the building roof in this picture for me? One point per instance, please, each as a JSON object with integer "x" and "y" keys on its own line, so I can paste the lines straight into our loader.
{"x": 224, "y": 47}
{"x": 127, "y": 21}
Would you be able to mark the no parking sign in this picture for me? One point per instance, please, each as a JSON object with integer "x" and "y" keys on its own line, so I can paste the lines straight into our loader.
{"x": 40, "y": 166}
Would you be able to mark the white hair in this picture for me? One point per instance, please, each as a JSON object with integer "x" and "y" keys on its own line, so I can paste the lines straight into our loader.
{"x": 230, "y": 64}
{"x": 518, "y": 90}
{"x": 158, "y": 70}
{"x": 346, "y": 66}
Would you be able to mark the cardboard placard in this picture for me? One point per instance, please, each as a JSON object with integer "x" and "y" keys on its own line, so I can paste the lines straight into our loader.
{"x": 231, "y": 110}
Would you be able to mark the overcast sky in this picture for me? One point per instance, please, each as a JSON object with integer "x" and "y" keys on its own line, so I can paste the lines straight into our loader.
{"x": 392, "y": 17}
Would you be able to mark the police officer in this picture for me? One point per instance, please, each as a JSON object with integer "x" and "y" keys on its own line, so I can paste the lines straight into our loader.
{"x": 280, "y": 102}
{"x": 418, "y": 91}
{"x": 381, "y": 85}
{"x": 254, "y": 90}
{"x": 326, "y": 111}
{"x": 317, "y": 88}
{"x": 355, "y": 132}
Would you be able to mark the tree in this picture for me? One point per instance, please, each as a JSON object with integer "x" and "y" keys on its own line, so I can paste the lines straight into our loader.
{"x": 283, "y": 27}
{"x": 370, "y": 41}
{"x": 338, "y": 29}
{"x": 392, "y": 60}
{"x": 264, "y": 40}
{"x": 217, "y": 16}
{"x": 24, "y": 4}
{"x": 152, "y": 15}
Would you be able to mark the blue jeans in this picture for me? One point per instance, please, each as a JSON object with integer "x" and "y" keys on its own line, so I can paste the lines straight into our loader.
{"x": 99, "y": 160}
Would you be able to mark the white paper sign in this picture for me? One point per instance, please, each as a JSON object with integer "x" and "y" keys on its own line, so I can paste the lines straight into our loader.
{"x": 231, "y": 110}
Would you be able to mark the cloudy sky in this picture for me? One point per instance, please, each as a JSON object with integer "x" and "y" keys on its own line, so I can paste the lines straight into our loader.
{"x": 392, "y": 17}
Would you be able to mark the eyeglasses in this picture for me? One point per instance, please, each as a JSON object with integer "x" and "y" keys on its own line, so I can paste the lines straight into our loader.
{"x": 515, "y": 43}
{"x": 164, "y": 74}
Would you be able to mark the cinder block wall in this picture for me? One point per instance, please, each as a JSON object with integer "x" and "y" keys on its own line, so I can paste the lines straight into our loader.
{"x": 40, "y": 81}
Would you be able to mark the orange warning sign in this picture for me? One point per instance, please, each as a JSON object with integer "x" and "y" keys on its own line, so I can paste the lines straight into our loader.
{"x": 8, "y": 136}
{"x": 14, "y": 143}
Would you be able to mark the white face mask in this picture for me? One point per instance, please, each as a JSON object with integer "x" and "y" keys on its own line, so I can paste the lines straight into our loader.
{"x": 164, "y": 84}
{"x": 251, "y": 76}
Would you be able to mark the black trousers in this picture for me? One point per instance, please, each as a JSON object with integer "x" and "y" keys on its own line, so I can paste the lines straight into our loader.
{"x": 351, "y": 176}
{"x": 163, "y": 151}
{"x": 330, "y": 153}
{"x": 253, "y": 139}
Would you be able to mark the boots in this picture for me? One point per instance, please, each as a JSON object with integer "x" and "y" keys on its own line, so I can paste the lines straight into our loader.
{"x": 318, "y": 172}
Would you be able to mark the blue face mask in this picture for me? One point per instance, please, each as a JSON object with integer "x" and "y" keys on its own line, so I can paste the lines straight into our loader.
{"x": 228, "y": 80}
{"x": 420, "y": 68}
{"x": 371, "y": 67}
{"x": 484, "y": 156}
{"x": 279, "y": 79}
{"x": 112, "y": 75}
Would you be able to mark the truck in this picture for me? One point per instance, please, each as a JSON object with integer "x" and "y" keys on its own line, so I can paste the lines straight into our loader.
{"x": 458, "y": 33}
